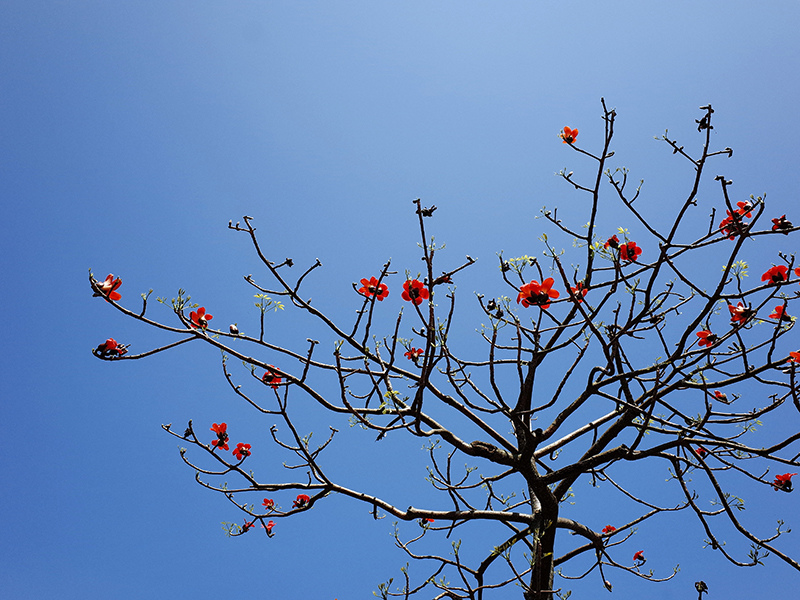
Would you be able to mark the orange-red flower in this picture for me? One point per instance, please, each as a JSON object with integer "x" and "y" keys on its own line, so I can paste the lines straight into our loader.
{"x": 780, "y": 314}
{"x": 740, "y": 313}
{"x": 612, "y": 242}
{"x": 629, "y": 251}
{"x": 371, "y": 287}
{"x": 781, "y": 224}
{"x": 578, "y": 293}
{"x": 269, "y": 526}
{"x": 783, "y": 482}
{"x": 268, "y": 503}
{"x": 241, "y": 451}
{"x": 609, "y": 529}
{"x": 222, "y": 436}
{"x": 247, "y": 525}
{"x": 721, "y": 396}
{"x": 108, "y": 288}
{"x": 111, "y": 348}
{"x": 733, "y": 224}
{"x": 776, "y": 274}
{"x": 414, "y": 354}
{"x": 794, "y": 357}
{"x": 271, "y": 378}
{"x": 639, "y": 557}
{"x": 200, "y": 318}
{"x": 701, "y": 452}
{"x": 568, "y": 135}
{"x": 706, "y": 338}
{"x": 537, "y": 294}
{"x": 744, "y": 208}
{"x": 301, "y": 501}
{"x": 415, "y": 291}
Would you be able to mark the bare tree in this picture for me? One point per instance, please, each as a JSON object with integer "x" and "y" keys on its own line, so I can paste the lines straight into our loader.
{"x": 626, "y": 363}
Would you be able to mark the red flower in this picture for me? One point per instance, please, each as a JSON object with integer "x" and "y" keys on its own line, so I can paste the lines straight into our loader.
{"x": 222, "y": 436}
{"x": 302, "y": 500}
{"x": 783, "y": 482}
{"x": 568, "y": 135}
{"x": 733, "y": 225}
{"x": 609, "y": 529}
{"x": 247, "y": 525}
{"x": 721, "y": 396}
{"x": 780, "y": 314}
{"x": 701, "y": 452}
{"x": 629, "y": 252}
{"x": 537, "y": 294}
{"x": 740, "y": 313}
{"x": 269, "y": 527}
{"x": 612, "y": 242}
{"x": 707, "y": 338}
{"x": 111, "y": 348}
{"x": 414, "y": 291}
{"x": 242, "y": 451}
{"x": 744, "y": 208}
{"x": 271, "y": 378}
{"x": 578, "y": 293}
{"x": 268, "y": 503}
{"x": 414, "y": 354}
{"x": 781, "y": 224}
{"x": 371, "y": 287}
{"x": 200, "y": 318}
{"x": 776, "y": 274}
{"x": 108, "y": 288}
{"x": 424, "y": 522}
{"x": 794, "y": 357}
{"x": 639, "y": 557}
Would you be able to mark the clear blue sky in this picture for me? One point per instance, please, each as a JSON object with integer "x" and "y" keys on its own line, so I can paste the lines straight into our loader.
{"x": 131, "y": 132}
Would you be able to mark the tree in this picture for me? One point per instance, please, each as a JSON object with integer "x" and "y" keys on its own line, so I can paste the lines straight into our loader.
{"x": 608, "y": 370}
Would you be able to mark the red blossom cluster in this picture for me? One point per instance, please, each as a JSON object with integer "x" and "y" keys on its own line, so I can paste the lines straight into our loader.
{"x": 199, "y": 319}
{"x": 578, "y": 293}
{"x": 609, "y": 529}
{"x": 629, "y": 252}
{"x": 111, "y": 348}
{"x": 537, "y": 294}
{"x": 242, "y": 451}
{"x": 108, "y": 288}
{"x": 247, "y": 525}
{"x": 271, "y": 378}
{"x": 268, "y": 503}
{"x": 701, "y": 452}
{"x": 740, "y": 313}
{"x": 301, "y": 501}
{"x": 782, "y": 225}
{"x": 776, "y": 274}
{"x": 780, "y": 314}
{"x": 414, "y": 291}
{"x": 706, "y": 338}
{"x": 568, "y": 135}
{"x": 733, "y": 224}
{"x": 371, "y": 287}
{"x": 221, "y": 430}
{"x": 783, "y": 482}
{"x": 639, "y": 557}
{"x": 414, "y": 354}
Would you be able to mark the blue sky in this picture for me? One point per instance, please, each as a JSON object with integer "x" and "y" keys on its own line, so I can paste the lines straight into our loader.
{"x": 132, "y": 132}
